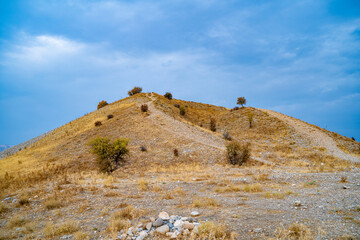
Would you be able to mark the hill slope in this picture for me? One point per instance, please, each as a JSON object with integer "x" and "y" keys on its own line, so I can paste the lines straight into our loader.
{"x": 55, "y": 176}
{"x": 273, "y": 136}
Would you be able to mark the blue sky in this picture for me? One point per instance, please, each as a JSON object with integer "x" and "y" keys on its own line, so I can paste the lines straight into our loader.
{"x": 58, "y": 59}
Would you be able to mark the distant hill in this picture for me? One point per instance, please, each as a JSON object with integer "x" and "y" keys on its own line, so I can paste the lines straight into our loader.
{"x": 275, "y": 138}
{"x": 3, "y": 147}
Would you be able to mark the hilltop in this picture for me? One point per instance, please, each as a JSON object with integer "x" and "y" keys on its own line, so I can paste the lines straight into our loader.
{"x": 291, "y": 161}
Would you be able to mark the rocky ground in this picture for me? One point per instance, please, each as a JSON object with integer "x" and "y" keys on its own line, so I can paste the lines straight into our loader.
{"x": 253, "y": 202}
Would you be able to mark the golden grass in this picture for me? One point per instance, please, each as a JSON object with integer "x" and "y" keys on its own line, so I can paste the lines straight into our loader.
{"x": 52, "y": 203}
{"x": 211, "y": 230}
{"x": 296, "y": 231}
{"x": 112, "y": 194}
{"x": 81, "y": 236}
{"x": 3, "y": 208}
{"x": 204, "y": 202}
{"x": 230, "y": 188}
{"x": 16, "y": 221}
{"x": 129, "y": 212}
{"x": 51, "y": 230}
{"x": 120, "y": 220}
{"x": 278, "y": 195}
{"x": 256, "y": 187}
{"x": 143, "y": 185}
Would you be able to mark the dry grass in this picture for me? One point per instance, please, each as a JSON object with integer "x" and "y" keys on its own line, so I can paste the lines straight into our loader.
{"x": 129, "y": 212}
{"x": 81, "y": 236}
{"x": 296, "y": 231}
{"x": 278, "y": 195}
{"x": 120, "y": 220}
{"x": 205, "y": 202}
{"x": 112, "y": 194}
{"x": 51, "y": 230}
{"x": 211, "y": 230}
{"x": 17, "y": 221}
{"x": 230, "y": 188}
{"x": 52, "y": 203}
{"x": 343, "y": 179}
{"x": 256, "y": 187}
{"x": 143, "y": 185}
{"x": 3, "y": 208}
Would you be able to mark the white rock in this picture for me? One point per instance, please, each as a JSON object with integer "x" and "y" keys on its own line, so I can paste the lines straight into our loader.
{"x": 186, "y": 232}
{"x": 184, "y": 218}
{"x": 194, "y": 213}
{"x": 297, "y": 203}
{"x": 169, "y": 234}
{"x": 178, "y": 223}
{"x": 148, "y": 226}
{"x": 164, "y": 216}
{"x": 175, "y": 234}
{"x": 143, "y": 233}
{"x": 188, "y": 225}
{"x": 163, "y": 229}
{"x": 140, "y": 238}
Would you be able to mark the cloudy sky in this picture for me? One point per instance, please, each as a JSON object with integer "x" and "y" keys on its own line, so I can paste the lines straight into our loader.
{"x": 58, "y": 59}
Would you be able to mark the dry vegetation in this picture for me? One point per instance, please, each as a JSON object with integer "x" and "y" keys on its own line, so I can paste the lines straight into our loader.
{"x": 57, "y": 177}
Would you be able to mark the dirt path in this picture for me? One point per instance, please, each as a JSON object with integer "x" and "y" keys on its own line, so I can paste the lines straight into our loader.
{"x": 184, "y": 130}
{"x": 188, "y": 131}
{"x": 314, "y": 135}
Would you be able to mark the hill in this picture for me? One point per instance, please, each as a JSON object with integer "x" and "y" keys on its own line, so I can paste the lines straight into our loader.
{"x": 3, "y": 147}
{"x": 291, "y": 160}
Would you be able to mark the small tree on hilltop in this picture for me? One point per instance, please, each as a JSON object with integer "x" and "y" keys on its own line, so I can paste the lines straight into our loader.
{"x": 109, "y": 154}
{"x": 168, "y": 95}
{"x": 134, "y": 91}
{"x": 241, "y": 101}
{"x": 102, "y": 104}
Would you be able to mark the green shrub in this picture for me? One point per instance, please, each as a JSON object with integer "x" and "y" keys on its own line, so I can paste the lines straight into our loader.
{"x": 102, "y": 104}
{"x": 213, "y": 124}
{"x": 110, "y": 116}
{"x": 241, "y": 101}
{"x": 182, "y": 111}
{"x": 134, "y": 91}
{"x": 109, "y": 154}
{"x": 98, "y": 123}
{"x": 238, "y": 154}
{"x": 176, "y": 105}
{"x": 168, "y": 95}
{"x": 144, "y": 107}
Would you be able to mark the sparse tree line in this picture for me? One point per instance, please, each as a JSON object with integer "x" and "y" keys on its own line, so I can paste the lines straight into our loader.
{"x": 111, "y": 154}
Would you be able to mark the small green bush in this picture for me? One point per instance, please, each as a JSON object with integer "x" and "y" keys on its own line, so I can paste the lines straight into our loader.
{"x": 168, "y": 95}
{"x": 98, "y": 123}
{"x": 109, "y": 154}
{"x": 134, "y": 91}
{"x": 213, "y": 124}
{"x": 144, "y": 107}
{"x": 176, "y": 152}
{"x": 182, "y": 111}
{"x": 143, "y": 149}
{"x": 238, "y": 154}
{"x": 241, "y": 101}
{"x": 110, "y": 116}
{"x": 102, "y": 104}
{"x": 176, "y": 105}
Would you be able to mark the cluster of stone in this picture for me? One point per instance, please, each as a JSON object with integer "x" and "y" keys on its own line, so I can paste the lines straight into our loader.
{"x": 171, "y": 226}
